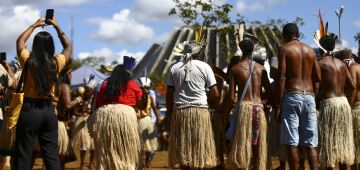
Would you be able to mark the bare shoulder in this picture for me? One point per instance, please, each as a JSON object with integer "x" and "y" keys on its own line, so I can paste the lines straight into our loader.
{"x": 340, "y": 63}
{"x": 283, "y": 48}
{"x": 354, "y": 67}
{"x": 310, "y": 51}
{"x": 259, "y": 67}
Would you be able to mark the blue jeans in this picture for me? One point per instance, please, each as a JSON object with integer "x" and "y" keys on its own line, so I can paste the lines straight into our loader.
{"x": 299, "y": 120}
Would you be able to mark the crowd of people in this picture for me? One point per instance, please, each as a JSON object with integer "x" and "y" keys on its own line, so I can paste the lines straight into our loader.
{"x": 234, "y": 120}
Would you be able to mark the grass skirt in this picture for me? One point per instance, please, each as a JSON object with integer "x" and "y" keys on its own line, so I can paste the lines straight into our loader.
{"x": 241, "y": 148}
{"x": 116, "y": 137}
{"x": 218, "y": 124}
{"x": 148, "y": 134}
{"x": 191, "y": 139}
{"x": 81, "y": 137}
{"x": 356, "y": 126}
{"x": 63, "y": 138}
{"x": 275, "y": 149}
{"x": 336, "y": 138}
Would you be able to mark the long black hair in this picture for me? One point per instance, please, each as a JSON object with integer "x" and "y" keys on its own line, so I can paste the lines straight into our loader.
{"x": 41, "y": 63}
{"x": 117, "y": 82}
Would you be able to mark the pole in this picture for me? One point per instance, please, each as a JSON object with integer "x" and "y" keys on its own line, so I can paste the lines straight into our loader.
{"x": 339, "y": 27}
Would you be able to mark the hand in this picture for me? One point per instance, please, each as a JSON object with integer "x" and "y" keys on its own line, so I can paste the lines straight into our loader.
{"x": 159, "y": 120}
{"x": 53, "y": 21}
{"x": 79, "y": 99}
{"x": 39, "y": 22}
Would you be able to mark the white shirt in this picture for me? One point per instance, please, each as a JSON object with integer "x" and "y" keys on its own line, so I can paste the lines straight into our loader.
{"x": 193, "y": 92}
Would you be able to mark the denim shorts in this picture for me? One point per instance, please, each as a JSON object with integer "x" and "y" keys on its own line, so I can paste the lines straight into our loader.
{"x": 299, "y": 125}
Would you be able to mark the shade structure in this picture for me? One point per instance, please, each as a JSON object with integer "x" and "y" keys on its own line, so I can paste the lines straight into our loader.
{"x": 81, "y": 75}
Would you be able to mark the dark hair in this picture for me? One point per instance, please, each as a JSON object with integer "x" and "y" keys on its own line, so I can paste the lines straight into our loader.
{"x": 117, "y": 81}
{"x": 290, "y": 29}
{"x": 247, "y": 47}
{"x": 327, "y": 42}
{"x": 41, "y": 63}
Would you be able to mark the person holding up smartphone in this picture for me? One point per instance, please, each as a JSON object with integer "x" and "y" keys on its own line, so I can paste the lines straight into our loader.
{"x": 37, "y": 117}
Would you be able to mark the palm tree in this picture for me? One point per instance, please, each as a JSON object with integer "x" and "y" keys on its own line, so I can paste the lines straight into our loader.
{"x": 357, "y": 38}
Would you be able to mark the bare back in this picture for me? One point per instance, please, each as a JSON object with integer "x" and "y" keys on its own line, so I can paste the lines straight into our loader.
{"x": 300, "y": 66}
{"x": 355, "y": 74}
{"x": 334, "y": 74}
{"x": 239, "y": 75}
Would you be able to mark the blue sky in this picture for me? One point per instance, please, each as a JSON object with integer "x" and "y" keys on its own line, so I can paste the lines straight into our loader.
{"x": 113, "y": 28}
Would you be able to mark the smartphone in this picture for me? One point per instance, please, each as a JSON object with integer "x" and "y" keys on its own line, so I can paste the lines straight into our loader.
{"x": 2, "y": 56}
{"x": 49, "y": 15}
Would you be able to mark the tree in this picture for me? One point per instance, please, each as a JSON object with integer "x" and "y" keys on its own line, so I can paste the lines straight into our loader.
{"x": 194, "y": 12}
{"x": 357, "y": 38}
{"x": 92, "y": 61}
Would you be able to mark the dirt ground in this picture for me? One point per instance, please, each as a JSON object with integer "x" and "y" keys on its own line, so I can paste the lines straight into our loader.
{"x": 160, "y": 162}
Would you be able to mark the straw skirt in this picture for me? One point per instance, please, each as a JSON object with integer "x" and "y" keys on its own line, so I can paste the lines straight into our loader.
{"x": 148, "y": 134}
{"x": 336, "y": 137}
{"x": 191, "y": 139}
{"x": 63, "y": 138}
{"x": 356, "y": 126}
{"x": 275, "y": 149}
{"x": 81, "y": 137}
{"x": 116, "y": 137}
{"x": 241, "y": 148}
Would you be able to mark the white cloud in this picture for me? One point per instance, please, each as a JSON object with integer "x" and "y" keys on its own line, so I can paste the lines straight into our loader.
{"x": 345, "y": 44}
{"x": 254, "y": 6}
{"x": 15, "y": 20}
{"x": 357, "y": 23}
{"x": 69, "y": 2}
{"x": 121, "y": 29}
{"x": 354, "y": 50}
{"x": 111, "y": 55}
{"x": 144, "y": 10}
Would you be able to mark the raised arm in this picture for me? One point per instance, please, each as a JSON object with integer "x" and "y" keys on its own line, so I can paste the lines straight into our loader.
{"x": 20, "y": 43}
{"x": 65, "y": 42}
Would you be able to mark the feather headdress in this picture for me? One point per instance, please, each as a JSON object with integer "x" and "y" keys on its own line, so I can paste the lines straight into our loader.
{"x": 321, "y": 32}
{"x": 129, "y": 63}
{"x": 187, "y": 49}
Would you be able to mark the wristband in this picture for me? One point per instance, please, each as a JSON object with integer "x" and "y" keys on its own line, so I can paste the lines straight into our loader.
{"x": 32, "y": 27}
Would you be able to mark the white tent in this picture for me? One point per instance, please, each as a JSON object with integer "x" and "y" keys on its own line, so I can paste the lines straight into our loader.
{"x": 81, "y": 75}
